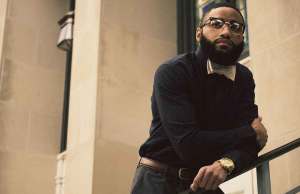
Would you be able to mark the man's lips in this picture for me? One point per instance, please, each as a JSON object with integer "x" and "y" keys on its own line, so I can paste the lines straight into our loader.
{"x": 224, "y": 42}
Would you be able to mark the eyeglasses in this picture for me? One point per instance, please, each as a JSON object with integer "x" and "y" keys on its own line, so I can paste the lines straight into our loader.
{"x": 218, "y": 23}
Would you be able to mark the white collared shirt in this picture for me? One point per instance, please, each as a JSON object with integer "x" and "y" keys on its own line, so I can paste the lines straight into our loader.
{"x": 228, "y": 71}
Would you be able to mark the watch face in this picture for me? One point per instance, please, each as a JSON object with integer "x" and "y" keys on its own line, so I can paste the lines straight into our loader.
{"x": 227, "y": 164}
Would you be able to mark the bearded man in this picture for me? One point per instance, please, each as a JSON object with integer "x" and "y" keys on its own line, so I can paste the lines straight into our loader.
{"x": 205, "y": 123}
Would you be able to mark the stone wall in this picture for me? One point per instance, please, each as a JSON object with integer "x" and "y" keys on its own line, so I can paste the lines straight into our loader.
{"x": 31, "y": 96}
{"x": 274, "y": 33}
{"x": 136, "y": 37}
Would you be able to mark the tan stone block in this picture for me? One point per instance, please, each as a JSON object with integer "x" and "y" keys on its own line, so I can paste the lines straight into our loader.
{"x": 279, "y": 175}
{"x": 141, "y": 55}
{"x": 263, "y": 30}
{"x": 126, "y": 82}
{"x": 20, "y": 42}
{"x": 286, "y": 87}
{"x": 13, "y": 128}
{"x": 45, "y": 133}
{"x": 34, "y": 43}
{"x": 9, "y": 75}
{"x": 20, "y": 170}
{"x": 84, "y": 73}
{"x": 48, "y": 91}
{"x": 79, "y": 168}
{"x": 44, "y": 13}
{"x": 115, "y": 164}
{"x": 32, "y": 80}
{"x": 277, "y": 92}
{"x": 12, "y": 173}
{"x": 129, "y": 14}
{"x": 49, "y": 56}
{"x": 125, "y": 119}
{"x": 285, "y": 172}
{"x": 82, "y": 113}
{"x": 86, "y": 42}
{"x": 33, "y": 88}
{"x": 42, "y": 169}
{"x": 17, "y": 85}
{"x": 294, "y": 168}
{"x": 288, "y": 18}
{"x": 271, "y": 22}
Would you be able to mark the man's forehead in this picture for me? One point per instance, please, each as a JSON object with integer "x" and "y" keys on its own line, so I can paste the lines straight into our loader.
{"x": 226, "y": 13}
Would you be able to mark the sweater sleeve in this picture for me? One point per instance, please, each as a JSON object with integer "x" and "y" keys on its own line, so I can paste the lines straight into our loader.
{"x": 245, "y": 152}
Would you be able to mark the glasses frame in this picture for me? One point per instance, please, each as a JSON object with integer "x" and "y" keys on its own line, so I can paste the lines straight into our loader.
{"x": 229, "y": 24}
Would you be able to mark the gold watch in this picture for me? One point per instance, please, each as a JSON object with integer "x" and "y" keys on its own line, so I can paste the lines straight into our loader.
{"x": 227, "y": 164}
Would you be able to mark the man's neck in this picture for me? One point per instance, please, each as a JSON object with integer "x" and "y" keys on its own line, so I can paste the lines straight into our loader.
{"x": 227, "y": 71}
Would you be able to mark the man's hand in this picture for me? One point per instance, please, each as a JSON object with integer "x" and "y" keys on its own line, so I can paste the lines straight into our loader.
{"x": 261, "y": 132}
{"x": 209, "y": 177}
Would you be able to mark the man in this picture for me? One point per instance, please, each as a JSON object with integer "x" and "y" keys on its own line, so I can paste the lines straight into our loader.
{"x": 205, "y": 124}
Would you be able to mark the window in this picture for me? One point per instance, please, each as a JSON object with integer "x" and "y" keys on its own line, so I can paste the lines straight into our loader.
{"x": 202, "y": 6}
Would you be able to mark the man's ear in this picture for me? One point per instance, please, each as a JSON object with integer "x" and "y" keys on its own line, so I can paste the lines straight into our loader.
{"x": 198, "y": 34}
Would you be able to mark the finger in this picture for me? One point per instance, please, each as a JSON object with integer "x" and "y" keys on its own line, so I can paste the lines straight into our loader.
{"x": 212, "y": 179}
{"x": 219, "y": 180}
{"x": 205, "y": 179}
{"x": 215, "y": 184}
{"x": 197, "y": 179}
{"x": 194, "y": 187}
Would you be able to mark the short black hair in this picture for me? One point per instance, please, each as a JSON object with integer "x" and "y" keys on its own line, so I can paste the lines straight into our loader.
{"x": 217, "y": 5}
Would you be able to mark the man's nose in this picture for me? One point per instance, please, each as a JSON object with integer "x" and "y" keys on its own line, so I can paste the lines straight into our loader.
{"x": 225, "y": 31}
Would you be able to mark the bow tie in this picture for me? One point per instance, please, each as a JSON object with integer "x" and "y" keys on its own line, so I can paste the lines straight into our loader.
{"x": 228, "y": 71}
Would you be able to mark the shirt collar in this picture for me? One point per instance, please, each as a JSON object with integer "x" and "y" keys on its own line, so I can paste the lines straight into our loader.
{"x": 228, "y": 71}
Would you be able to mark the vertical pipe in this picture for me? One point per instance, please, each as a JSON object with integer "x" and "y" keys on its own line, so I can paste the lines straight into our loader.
{"x": 180, "y": 21}
{"x": 192, "y": 32}
{"x": 186, "y": 25}
{"x": 72, "y": 5}
{"x": 65, "y": 116}
{"x": 64, "y": 131}
{"x": 263, "y": 179}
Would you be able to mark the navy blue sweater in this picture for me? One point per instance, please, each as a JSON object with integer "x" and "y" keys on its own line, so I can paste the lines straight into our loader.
{"x": 200, "y": 118}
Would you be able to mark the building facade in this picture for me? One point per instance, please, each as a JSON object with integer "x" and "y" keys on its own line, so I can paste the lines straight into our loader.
{"x": 117, "y": 46}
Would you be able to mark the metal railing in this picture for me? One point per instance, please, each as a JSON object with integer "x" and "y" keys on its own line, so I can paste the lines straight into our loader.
{"x": 263, "y": 170}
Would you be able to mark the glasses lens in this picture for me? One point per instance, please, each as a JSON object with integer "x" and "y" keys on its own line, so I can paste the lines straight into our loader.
{"x": 216, "y": 23}
{"x": 236, "y": 27}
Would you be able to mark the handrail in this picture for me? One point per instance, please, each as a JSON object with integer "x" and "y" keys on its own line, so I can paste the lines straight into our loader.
{"x": 269, "y": 156}
{"x": 262, "y": 166}
{"x": 263, "y": 169}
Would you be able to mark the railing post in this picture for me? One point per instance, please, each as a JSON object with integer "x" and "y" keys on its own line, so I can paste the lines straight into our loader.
{"x": 263, "y": 178}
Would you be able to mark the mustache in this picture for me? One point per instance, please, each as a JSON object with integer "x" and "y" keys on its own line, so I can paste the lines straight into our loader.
{"x": 226, "y": 40}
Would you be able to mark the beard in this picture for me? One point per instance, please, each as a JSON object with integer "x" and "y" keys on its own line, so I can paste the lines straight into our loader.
{"x": 223, "y": 57}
